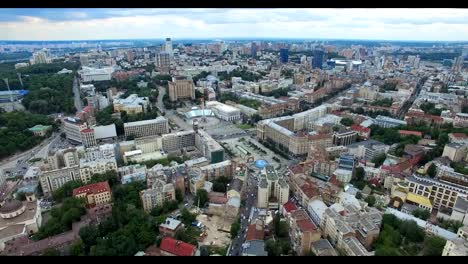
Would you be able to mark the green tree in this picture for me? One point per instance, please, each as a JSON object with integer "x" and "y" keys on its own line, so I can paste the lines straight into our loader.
{"x": 433, "y": 246}
{"x": 179, "y": 195}
{"x": 347, "y": 121}
{"x": 77, "y": 249}
{"x": 272, "y": 248}
{"x": 422, "y": 214}
{"x": 360, "y": 173}
{"x": 201, "y": 197}
{"x": 370, "y": 200}
{"x": 66, "y": 190}
{"x": 187, "y": 217}
{"x": 235, "y": 227}
{"x": 379, "y": 160}
{"x": 108, "y": 176}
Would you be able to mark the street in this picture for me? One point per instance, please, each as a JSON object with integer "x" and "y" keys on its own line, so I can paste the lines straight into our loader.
{"x": 76, "y": 93}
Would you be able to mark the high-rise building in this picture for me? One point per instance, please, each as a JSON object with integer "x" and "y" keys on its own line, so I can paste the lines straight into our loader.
{"x": 273, "y": 190}
{"x": 145, "y": 128}
{"x": 163, "y": 60}
{"x": 458, "y": 64}
{"x": 181, "y": 88}
{"x": 284, "y": 55}
{"x": 253, "y": 50}
{"x": 168, "y": 46}
{"x": 40, "y": 57}
{"x": 317, "y": 61}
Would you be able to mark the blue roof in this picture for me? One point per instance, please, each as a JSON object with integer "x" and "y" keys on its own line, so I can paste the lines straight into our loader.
{"x": 260, "y": 164}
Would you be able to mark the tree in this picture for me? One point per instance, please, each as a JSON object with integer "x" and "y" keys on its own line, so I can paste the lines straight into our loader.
{"x": 433, "y": 246}
{"x": 346, "y": 121}
{"x": 273, "y": 248}
{"x": 179, "y": 195}
{"x": 422, "y": 214}
{"x": 370, "y": 200}
{"x": 360, "y": 173}
{"x": 201, "y": 197}
{"x": 358, "y": 195}
{"x": 108, "y": 176}
{"x": 187, "y": 217}
{"x": 77, "y": 249}
{"x": 379, "y": 160}
{"x": 66, "y": 190}
{"x": 235, "y": 227}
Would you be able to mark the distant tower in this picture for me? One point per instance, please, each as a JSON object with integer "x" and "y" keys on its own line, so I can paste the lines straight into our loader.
{"x": 168, "y": 46}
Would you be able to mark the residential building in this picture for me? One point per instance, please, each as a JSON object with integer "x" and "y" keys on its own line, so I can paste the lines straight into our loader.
{"x": 460, "y": 211}
{"x": 95, "y": 194}
{"x": 461, "y": 120}
{"x": 89, "y": 74}
{"x": 172, "y": 247}
{"x": 344, "y": 138}
{"x": 157, "y": 195}
{"x": 456, "y": 247}
{"x": 53, "y": 179}
{"x": 181, "y": 88}
{"x": 72, "y": 128}
{"x": 386, "y": 122}
{"x": 455, "y": 151}
{"x": 168, "y": 47}
{"x": 215, "y": 170}
{"x": 302, "y": 231}
{"x": 254, "y": 248}
{"x": 170, "y": 226}
{"x": 163, "y": 61}
{"x": 316, "y": 209}
{"x": 352, "y": 247}
{"x": 157, "y": 126}
{"x": 323, "y": 247}
{"x": 341, "y": 222}
{"x": 40, "y": 57}
{"x": 367, "y": 150}
{"x": 87, "y": 137}
{"x": 272, "y": 189}
{"x": 132, "y": 173}
{"x": 345, "y": 170}
{"x": 209, "y": 147}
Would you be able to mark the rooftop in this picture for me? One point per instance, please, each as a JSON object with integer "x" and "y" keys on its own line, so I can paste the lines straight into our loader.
{"x": 158, "y": 119}
{"x": 177, "y": 247}
{"x": 94, "y": 188}
{"x": 171, "y": 223}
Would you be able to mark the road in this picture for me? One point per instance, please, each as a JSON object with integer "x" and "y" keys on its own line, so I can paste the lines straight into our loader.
{"x": 250, "y": 193}
{"x": 76, "y": 93}
{"x": 170, "y": 114}
{"x": 407, "y": 105}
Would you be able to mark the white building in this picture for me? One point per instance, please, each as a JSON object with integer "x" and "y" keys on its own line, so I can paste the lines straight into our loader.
{"x": 157, "y": 126}
{"x": 223, "y": 111}
{"x": 273, "y": 190}
{"x": 89, "y": 74}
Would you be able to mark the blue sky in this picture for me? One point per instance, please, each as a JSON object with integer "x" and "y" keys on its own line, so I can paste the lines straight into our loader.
{"x": 87, "y": 24}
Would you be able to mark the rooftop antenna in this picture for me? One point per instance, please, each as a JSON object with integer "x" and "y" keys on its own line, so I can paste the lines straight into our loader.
{"x": 11, "y": 95}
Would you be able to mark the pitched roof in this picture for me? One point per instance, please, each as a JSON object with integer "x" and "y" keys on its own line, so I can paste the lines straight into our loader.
{"x": 177, "y": 247}
{"x": 289, "y": 206}
{"x": 254, "y": 232}
{"x": 410, "y": 132}
{"x": 94, "y": 188}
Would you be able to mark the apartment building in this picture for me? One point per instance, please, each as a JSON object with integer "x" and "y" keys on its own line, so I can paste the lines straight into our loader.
{"x": 455, "y": 151}
{"x": 215, "y": 170}
{"x": 367, "y": 150}
{"x": 181, "y": 88}
{"x": 386, "y": 122}
{"x": 157, "y": 195}
{"x": 344, "y": 138}
{"x": 95, "y": 194}
{"x": 302, "y": 231}
{"x": 273, "y": 189}
{"x": 51, "y": 180}
{"x": 131, "y": 173}
{"x": 157, "y": 126}
{"x": 340, "y": 223}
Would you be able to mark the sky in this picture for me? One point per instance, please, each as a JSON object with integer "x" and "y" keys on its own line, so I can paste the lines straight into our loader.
{"x": 97, "y": 24}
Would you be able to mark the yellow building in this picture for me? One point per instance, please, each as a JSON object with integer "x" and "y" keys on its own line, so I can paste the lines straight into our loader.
{"x": 94, "y": 194}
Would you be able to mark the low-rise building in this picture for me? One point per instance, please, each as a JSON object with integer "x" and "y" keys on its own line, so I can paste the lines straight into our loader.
{"x": 157, "y": 195}
{"x": 302, "y": 231}
{"x": 170, "y": 227}
{"x": 95, "y": 194}
{"x": 172, "y": 247}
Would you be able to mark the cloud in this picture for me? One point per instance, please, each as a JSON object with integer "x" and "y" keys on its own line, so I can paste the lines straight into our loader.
{"x": 397, "y": 24}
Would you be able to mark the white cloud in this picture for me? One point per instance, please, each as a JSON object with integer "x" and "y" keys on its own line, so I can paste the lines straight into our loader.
{"x": 390, "y": 24}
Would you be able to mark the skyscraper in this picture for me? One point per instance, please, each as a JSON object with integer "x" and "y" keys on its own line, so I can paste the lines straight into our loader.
{"x": 253, "y": 50}
{"x": 168, "y": 46}
{"x": 284, "y": 55}
{"x": 458, "y": 64}
{"x": 317, "y": 61}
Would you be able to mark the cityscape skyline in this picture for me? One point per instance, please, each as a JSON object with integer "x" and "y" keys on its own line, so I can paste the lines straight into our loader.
{"x": 116, "y": 24}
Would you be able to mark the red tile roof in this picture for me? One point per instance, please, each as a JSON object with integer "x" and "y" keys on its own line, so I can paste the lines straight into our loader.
{"x": 359, "y": 128}
{"x": 295, "y": 169}
{"x": 306, "y": 225}
{"x": 410, "y": 132}
{"x": 94, "y": 188}
{"x": 254, "y": 233}
{"x": 459, "y": 135}
{"x": 177, "y": 247}
{"x": 289, "y": 206}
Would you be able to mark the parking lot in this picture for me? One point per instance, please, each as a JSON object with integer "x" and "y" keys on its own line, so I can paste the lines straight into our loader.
{"x": 212, "y": 224}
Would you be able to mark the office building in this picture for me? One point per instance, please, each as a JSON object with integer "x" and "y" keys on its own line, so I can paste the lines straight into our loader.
{"x": 345, "y": 170}
{"x": 273, "y": 190}
{"x": 178, "y": 141}
{"x": 224, "y": 111}
{"x": 157, "y": 126}
{"x": 95, "y": 194}
{"x": 51, "y": 180}
{"x": 253, "y": 50}
{"x": 368, "y": 149}
{"x": 89, "y": 74}
{"x": 284, "y": 55}
{"x": 317, "y": 61}
{"x": 181, "y": 88}
{"x": 132, "y": 104}
{"x": 209, "y": 147}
